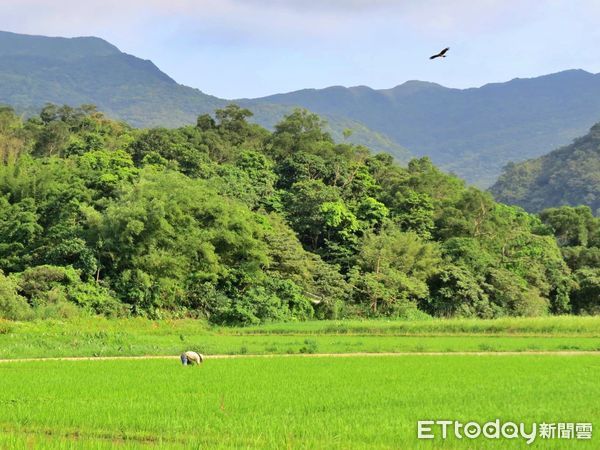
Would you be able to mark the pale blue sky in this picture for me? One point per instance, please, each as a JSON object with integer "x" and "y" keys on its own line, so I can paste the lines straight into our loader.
{"x": 250, "y": 48}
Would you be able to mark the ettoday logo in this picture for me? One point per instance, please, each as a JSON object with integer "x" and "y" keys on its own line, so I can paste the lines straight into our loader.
{"x": 496, "y": 429}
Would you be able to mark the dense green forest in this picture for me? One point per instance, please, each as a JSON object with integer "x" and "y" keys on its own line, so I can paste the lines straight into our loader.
{"x": 227, "y": 221}
{"x": 567, "y": 176}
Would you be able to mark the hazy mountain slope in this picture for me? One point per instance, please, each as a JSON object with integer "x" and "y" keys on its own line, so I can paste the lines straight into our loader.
{"x": 567, "y": 176}
{"x": 268, "y": 115}
{"x": 35, "y": 70}
{"x": 13, "y": 44}
{"x": 472, "y": 132}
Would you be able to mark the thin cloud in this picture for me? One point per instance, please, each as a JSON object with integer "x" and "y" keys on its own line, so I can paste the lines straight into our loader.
{"x": 271, "y": 16}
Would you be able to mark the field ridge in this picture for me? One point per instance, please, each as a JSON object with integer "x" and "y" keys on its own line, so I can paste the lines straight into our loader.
{"x": 315, "y": 355}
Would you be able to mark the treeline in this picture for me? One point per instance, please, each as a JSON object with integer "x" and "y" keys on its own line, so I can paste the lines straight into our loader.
{"x": 227, "y": 221}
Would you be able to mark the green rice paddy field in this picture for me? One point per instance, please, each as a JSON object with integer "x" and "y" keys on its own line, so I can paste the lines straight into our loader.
{"x": 293, "y": 402}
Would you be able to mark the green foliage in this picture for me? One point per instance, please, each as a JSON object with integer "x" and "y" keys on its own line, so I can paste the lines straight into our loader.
{"x": 392, "y": 269}
{"x": 566, "y": 176}
{"x": 228, "y": 222}
{"x": 415, "y": 213}
{"x": 12, "y": 305}
{"x": 299, "y": 132}
{"x": 55, "y": 290}
{"x": 274, "y": 300}
{"x": 586, "y": 296}
{"x": 455, "y": 292}
{"x": 571, "y": 226}
{"x": 18, "y": 230}
{"x": 304, "y": 202}
{"x": 515, "y": 296}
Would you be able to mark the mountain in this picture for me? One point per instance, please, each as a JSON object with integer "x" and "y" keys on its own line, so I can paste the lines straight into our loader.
{"x": 269, "y": 114}
{"x": 35, "y": 70}
{"x": 567, "y": 176}
{"x": 471, "y": 132}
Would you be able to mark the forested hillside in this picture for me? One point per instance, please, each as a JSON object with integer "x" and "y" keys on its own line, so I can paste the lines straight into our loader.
{"x": 567, "y": 176}
{"x": 226, "y": 220}
{"x": 577, "y": 232}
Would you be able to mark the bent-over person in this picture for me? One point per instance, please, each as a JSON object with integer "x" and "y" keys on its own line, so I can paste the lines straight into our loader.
{"x": 191, "y": 358}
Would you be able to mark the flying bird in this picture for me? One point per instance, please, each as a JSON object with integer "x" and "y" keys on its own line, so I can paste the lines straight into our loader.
{"x": 441, "y": 54}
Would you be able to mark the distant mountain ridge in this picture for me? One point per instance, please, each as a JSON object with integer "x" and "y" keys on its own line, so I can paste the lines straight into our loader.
{"x": 35, "y": 70}
{"x": 13, "y": 44}
{"x": 471, "y": 132}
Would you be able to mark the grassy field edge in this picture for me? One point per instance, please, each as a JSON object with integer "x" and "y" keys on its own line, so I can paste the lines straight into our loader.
{"x": 95, "y": 337}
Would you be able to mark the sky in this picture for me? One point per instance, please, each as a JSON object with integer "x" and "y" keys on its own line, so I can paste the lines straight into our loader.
{"x": 251, "y": 48}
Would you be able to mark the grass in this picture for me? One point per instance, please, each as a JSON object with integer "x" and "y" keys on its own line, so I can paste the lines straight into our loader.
{"x": 126, "y": 337}
{"x": 556, "y": 325}
{"x": 312, "y": 403}
{"x": 294, "y": 402}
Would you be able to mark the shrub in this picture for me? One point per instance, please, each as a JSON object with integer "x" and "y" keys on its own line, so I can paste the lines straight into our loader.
{"x": 57, "y": 292}
{"x": 455, "y": 292}
{"x": 12, "y": 305}
{"x": 41, "y": 284}
{"x": 310, "y": 346}
{"x": 274, "y": 300}
{"x": 96, "y": 299}
{"x": 513, "y": 295}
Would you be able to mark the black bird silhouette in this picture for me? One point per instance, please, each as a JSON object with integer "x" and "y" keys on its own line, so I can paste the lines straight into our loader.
{"x": 441, "y": 54}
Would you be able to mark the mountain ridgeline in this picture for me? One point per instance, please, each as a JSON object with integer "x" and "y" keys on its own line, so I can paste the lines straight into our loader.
{"x": 35, "y": 70}
{"x": 470, "y": 132}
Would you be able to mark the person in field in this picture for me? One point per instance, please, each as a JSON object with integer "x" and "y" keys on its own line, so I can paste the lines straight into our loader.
{"x": 191, "y": 358}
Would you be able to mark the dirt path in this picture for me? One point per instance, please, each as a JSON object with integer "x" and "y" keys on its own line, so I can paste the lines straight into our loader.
{"x": 311, "y": 355}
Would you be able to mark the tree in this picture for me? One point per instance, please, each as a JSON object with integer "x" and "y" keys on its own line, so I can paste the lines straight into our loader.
{"x": 13, "y": 140}
{"x": 586, "y": 296}
{"x": 171, "y": 145}
{"x": 233, "y": 123}
{"x": 372, "y": 213}
{"x": 572, "y": 226}
{"x": 205, "y": 122}
{"x": 226, "y": 221}
{"x": 303, "y": 205}
{"x": 393, "y": 268}
{"x": 300, "y": 131}
{"x": 456, "y": 292}
{"x": 415, "y": 212}
{"x": 19, "y": 230}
